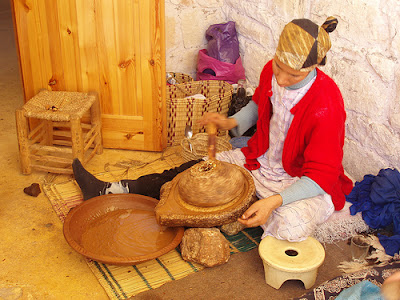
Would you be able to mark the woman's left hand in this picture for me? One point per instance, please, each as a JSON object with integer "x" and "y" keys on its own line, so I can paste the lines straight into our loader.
{"x": 259, "y": 212}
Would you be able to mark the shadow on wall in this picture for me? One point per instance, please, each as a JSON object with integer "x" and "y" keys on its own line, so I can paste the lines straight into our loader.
{"x": 5, "y": 5}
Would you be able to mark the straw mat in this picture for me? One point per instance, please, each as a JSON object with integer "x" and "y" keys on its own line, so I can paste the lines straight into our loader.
{"x": 122, "y": 282}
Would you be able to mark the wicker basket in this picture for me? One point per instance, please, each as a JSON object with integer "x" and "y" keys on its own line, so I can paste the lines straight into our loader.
{"x": 180, "y": 77}
{"x": 200, "y": 146}
{"x": 182, "y": 109}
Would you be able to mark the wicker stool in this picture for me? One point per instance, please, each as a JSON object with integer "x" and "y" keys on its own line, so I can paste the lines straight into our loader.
{"x": 285, "y": 260}
{"x": 64, "y": 126}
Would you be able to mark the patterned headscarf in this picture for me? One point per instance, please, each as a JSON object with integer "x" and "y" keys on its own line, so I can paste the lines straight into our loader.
{"x": 303, "y": 44}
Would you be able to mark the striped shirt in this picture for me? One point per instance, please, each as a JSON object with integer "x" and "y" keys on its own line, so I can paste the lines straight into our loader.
{"x": 283, "y": 100}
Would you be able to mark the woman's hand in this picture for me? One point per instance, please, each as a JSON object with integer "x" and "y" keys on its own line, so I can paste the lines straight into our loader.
{"x": 259, "y": 212}
{"x": 221, "y": 121}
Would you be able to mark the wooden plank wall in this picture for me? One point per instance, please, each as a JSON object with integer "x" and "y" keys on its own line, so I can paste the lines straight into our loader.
{"x": 114, "y": 47}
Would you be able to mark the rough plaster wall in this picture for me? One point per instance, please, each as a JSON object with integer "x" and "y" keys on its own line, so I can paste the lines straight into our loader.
{"x": 365, "y": 65}
{"x": 364, "y": 60}
{"x": 259, "y": 24}
{"x": 186, "y": 22}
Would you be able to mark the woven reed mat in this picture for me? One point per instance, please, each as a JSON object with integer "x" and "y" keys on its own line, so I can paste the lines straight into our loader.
{"x": 122, "y": 282}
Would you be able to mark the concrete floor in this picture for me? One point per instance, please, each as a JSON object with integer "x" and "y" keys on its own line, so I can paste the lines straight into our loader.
{"x": 35, "y": 260}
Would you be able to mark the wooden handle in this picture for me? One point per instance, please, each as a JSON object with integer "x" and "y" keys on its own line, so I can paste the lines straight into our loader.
{"x": 212, "y": 140}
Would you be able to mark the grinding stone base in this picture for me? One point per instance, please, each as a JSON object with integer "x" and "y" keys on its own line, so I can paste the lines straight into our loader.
{"x": 173, "y": 211}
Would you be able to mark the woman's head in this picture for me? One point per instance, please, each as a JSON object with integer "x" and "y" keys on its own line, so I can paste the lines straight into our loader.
{"x": 286, "y": 76}
{"x": 303, "y": 44}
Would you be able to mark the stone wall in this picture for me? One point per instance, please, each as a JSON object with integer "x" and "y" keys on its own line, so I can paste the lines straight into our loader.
{"x": 186, "y": 22}
{"x": 364, "y": 60}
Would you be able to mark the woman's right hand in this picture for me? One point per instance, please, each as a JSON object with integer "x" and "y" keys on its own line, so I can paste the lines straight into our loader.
{"x": 259, "y": 212}
{"x": 221, "y": 121}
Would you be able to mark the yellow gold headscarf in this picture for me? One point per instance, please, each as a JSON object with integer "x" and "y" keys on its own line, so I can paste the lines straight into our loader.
{"x": 303, "y": 44}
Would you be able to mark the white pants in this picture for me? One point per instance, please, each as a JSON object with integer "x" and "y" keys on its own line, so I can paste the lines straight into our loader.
{"x": 293, "y": 222}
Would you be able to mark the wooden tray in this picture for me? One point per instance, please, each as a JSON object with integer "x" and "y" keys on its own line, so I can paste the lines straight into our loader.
{"x": 119, "y": 229}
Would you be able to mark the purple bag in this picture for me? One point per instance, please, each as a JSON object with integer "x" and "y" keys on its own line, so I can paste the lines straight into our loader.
{"x": 223, "y": 43}
{"x": 209, "y": 68}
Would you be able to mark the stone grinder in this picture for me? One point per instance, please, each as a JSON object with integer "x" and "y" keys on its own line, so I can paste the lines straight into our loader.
{"x": 210, "y": 193}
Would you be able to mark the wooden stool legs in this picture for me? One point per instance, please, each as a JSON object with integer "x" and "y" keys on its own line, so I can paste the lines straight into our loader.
{"x": 76, "y": 138}
{"x": 22, "y": 134}
{"x": 95, "y": 118}
{"x": 59, "y": 131}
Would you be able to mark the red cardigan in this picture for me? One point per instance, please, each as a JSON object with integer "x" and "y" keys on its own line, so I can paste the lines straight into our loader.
{"x": 314, "y": 142}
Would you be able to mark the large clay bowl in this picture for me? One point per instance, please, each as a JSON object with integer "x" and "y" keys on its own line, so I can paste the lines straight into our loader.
{"x": 119, "y": 229}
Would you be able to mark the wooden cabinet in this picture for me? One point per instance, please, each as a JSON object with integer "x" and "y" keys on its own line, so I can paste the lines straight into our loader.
{"x": 114, "y": 47}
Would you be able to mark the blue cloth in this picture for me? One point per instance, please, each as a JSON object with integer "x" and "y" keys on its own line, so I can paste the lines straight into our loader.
{"x": 391, "y": 244}
{"x": 378, "y": 198}
{"x": 365, "y": 290}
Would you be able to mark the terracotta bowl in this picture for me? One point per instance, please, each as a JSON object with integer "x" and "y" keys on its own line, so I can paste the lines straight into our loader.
{"x": 119, "y": 229}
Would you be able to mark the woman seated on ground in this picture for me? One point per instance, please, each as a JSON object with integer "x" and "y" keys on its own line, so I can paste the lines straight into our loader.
{"x": 295, "y": 156}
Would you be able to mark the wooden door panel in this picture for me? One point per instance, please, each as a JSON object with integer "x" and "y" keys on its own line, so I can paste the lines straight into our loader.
{"x": 116, "y": 48}
{"x": 133, "y": 136}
